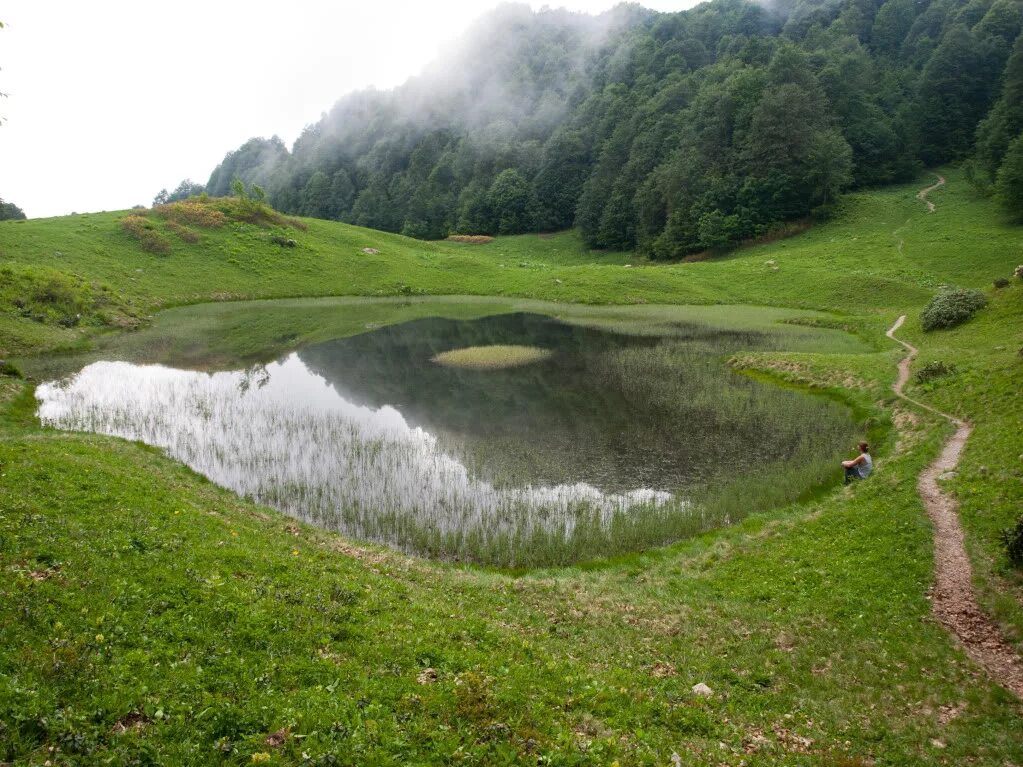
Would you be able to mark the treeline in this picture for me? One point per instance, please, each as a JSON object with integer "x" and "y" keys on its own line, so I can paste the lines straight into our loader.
{"x": 669, "y": 133}
{"x": 8, "y": 210}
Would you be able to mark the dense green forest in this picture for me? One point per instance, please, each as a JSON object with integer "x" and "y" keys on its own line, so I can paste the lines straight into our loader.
{"x": 671, "y": 133}
{"x": 8, "y": 210}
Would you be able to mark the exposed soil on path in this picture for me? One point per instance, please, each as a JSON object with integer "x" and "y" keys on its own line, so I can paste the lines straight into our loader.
{"x": 952, "y": 598}
{"x": 922, "y": 194}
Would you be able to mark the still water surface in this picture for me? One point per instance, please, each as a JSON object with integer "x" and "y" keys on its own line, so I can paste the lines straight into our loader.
{"x": 367, "y": 436}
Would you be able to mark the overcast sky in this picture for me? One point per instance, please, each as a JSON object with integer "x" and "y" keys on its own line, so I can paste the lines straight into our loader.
{"x": 109, "y": 102}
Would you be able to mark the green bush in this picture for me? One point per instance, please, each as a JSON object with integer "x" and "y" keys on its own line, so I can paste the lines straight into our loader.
{"x": 9, "y": 369}
{"x": 284, "y": 242}
{"x": 951, "y": 307}
{"x": 933, "y": 370}
{"x": 1001, "y": 282}
{"x": 1013, "y": 540}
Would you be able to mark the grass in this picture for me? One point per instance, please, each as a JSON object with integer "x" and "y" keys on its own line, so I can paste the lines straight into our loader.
{"x": 852, "y": 265}
{"x": 494, "y": 357}
{"x": 149, "y": 617}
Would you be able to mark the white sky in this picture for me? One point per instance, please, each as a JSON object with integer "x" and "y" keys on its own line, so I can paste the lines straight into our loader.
{"x": 109, "y": 102}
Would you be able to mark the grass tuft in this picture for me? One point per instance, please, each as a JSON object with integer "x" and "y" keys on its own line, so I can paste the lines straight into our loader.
{"x": 493, "y": 357}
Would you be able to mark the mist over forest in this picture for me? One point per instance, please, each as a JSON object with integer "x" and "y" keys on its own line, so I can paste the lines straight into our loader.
{"x": 670, "y": 133}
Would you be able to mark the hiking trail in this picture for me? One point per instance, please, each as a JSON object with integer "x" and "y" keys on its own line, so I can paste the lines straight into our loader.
{"x": 952, "y": 599}
{"x": 922, "y": 194}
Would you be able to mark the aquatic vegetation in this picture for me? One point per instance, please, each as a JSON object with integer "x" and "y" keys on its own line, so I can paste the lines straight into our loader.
{"x": 492, "y": 357}
{"x": 292, "y": 442}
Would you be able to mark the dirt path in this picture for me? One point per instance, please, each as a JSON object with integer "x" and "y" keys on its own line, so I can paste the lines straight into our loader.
{"x": 952, "y": 598}
{"x": 922, "y": 194}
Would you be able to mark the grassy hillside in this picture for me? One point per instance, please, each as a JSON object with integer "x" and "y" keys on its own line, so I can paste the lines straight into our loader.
{"x": 149, "y": 617}
{"x": 853, "y": 264}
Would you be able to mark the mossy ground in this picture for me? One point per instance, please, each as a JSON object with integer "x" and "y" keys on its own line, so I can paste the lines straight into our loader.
{"x": 149, "y": 617}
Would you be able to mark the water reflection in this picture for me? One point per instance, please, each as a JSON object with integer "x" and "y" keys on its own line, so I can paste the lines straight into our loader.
{"x": 284, "y": 436}
{"x": 555, "y": 422}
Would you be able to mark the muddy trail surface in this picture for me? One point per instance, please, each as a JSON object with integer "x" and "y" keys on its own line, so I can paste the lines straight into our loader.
{"x": 952, "y": 598}
{"x": 922, "y": 194}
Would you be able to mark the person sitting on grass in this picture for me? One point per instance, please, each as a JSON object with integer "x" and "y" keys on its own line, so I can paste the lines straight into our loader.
{"x": 860, "y": 466}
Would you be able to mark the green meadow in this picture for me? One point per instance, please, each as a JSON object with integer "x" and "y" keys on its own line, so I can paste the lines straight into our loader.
{"x": 148, "y": 616}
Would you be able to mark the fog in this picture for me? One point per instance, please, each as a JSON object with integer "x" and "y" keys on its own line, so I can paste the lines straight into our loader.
{"x": 108, "y": 104}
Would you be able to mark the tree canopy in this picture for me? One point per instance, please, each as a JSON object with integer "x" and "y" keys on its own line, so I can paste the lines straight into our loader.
{"x": 666, "y": 132}
{"x": 8, "y": 210}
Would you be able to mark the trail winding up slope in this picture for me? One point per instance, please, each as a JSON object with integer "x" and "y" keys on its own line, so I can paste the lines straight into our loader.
{"x": 922, "y": 194}
{"x": 953, "y": 601}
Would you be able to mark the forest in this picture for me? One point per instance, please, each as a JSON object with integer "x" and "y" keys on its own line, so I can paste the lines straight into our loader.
{"x": 667, "y": 133}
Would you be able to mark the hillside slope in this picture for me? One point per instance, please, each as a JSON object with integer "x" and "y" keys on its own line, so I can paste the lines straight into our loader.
{"x": 149, "y": 617}
{"x": 882, "y": 252}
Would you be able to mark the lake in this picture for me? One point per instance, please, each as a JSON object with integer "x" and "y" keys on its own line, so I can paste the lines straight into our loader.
{"x": 594, "y": 443}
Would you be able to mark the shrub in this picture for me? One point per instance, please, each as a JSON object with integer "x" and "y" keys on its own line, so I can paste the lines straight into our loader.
{"x": 186, "y": 234}
{"x": 284, "y": 242}
{"x": 9, "y": 369}
{"x": 951, "y": 307}
{"x": 471, "y": 239}
{"x": 250, "y": 211}
{"x": 194, "y": 212}
{"x": 141, "y": 229}
{"x": 1018, "y": 272}
{"x": 934, "y": 370}
{"x": 1013, "y": 540}
{"x": 1001, "y": 282}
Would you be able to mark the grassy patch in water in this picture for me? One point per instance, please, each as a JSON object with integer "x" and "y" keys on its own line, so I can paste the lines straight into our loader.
{"x": 494, "y": 357}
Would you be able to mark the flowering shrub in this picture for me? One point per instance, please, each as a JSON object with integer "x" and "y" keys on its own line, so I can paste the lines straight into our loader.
{"x": 951, "y": 307}
{"x": 141, "y": 229}
{"x": 186, "y": 234}
{"x": 192, "y": 212}
{"x": 214, "y": 212}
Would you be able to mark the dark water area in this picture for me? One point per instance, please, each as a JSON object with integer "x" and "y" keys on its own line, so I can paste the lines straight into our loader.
{"x": 550, "y": 422}
{"x": 609, "y": 443}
